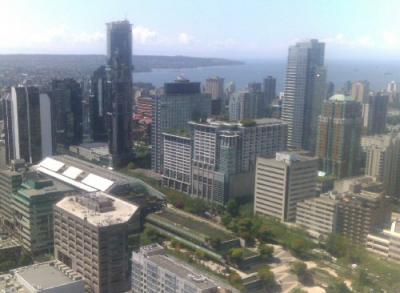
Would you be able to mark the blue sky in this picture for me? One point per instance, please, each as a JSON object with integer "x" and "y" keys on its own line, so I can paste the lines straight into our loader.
{"x": 240, "y": 29}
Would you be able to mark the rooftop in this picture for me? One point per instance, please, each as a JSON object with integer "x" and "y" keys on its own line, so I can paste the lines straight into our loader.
{"x": 98, "y": 208}
{"x": 341, "y": 98}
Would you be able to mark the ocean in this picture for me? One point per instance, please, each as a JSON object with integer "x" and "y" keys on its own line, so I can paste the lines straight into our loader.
{"x": 378, "y": 73}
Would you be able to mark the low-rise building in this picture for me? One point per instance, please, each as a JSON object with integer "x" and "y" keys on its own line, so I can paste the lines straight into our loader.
{"x": 48, "y": 277}
{"x": 154, "y": 271}
{"x": 386, "y": 243}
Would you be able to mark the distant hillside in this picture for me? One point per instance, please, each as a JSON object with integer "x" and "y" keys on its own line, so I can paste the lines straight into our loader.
{"x": 42, "y": 68}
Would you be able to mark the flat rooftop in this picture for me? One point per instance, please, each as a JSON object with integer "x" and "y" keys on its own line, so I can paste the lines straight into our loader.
{"x": 89, "y": 206}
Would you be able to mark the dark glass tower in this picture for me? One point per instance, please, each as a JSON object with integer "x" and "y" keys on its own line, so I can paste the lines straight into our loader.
{"x": 119, "y": 76}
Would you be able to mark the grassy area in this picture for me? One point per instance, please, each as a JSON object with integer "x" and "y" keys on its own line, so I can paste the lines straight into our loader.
{"x": 196, "y": 226}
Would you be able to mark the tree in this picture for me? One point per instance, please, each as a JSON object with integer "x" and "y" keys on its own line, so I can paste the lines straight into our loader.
{"x": 298, "y": 268}
{"x": 266, "y": 251}
{"x": 298, "y": 290}
{"x": 215, "y": 242}
{"x": 264, "y": 233}
{"x": 236, "y": 255}
{"x": 226, "y": 219}
{"x": 131, "y": 166}
{"x": 338, "y": 287}
{"x": 149, "y": 236}
{"x": 232, "y": 207}
{"x": 267, "y": 278}
{"x": 337, "y": 245}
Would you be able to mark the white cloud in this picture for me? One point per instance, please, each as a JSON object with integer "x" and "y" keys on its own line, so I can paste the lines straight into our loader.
{"x": 391, "y": 40}
{"x": 185, "y": 38}
{"x": 143, "y": 35}
{"x": 358, "y": 42}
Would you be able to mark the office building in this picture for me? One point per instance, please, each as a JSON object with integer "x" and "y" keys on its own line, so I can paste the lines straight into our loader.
{"x": 181, "y": 102}
{"x": 304, "y": 93}
{"x": 215, "y": 88}
{"x": 67, "y": 101}
{"x": 383, "y": 160}
{"x": 282, "y": 182}
{"x": 246, "y": 105}
{"x": 154, "y": 271}
{"x": 339, "y": 137}
{"x": 360, "y": 91}
{"x": 374, "y": 113}
{"x": 224, "y": 155}
{"x": 99, "y": 105}
{"x": 91, "y": 237}
{"x": 386, "y": 243}
{"x": 254, "y": 87}
{"x": 318, "y": 215}
{"x": 119, "y": 76}
{"x": 362, "y": 213}
{"x": 49, "y": 277}
{"x": 29, "y": 125}
{"x": 32, "y": 208}
{"x": 177, "y": 162}
{"x": 269, "y": 89}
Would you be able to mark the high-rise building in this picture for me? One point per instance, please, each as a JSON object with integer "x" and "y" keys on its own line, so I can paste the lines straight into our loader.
{"x": 91, "y": 237}
{"x": 318, "y": 215}
{"x": 215, "y": 88}
{"x": 29, "y": 125}
{"x": 177, "y": 163}
{"x": 339, "y": 137}
{"x": 224, "y": 155}
{"x": 67, "y": 101}
{"x": 361, "y": 214}
{"x": 304, "y": 93}
{"x": 360, "y": 91}
{"x": 119, "y": 74}
{"x": 282, "y": 182}
{"x": 254, "y": 87}
{"x": 154, "y": 271}
{"x": 383, "y": 160}
{"x": 181, "y": 102}
{"x": 330, "y": 90}
{"x": 99, "y": 105}
{"x": 32, "y": 208}
{"x": 393, "y": 91}
{"x": 374, "y": 110}
{"x": 246, "y": 105}
{"x": 269, "y": 89}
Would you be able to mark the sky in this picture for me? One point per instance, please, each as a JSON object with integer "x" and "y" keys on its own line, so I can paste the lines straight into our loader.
{"x": 237, "y": 29}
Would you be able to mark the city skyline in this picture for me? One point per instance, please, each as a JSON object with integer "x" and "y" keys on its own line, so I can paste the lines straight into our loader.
{"x": 177, "y": 27}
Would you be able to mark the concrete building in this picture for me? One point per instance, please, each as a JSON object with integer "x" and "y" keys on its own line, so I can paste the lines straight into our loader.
{"x": 28, "y": 131}
{"x": 361, "y": 214}
{"x": 67, "y": 102}
{"x": 318, "y": 216}
{"x": 282, "y": 182}
{"x": 154, "y": 271}
{"x": 224, "y": 155}
{"x": 119, "y": 76}
{"x": 215, "y": 88}
{"x": 304, "y": 93}
{"x": 177, "y": 163}
{"x": 360, "y": 91}
{"x": 32, "y": 209}
{"x": 97, "y": 152}
{"x": 374, "y": 114}
{"x": 246, "y": 105}
{"x": 383, "y": 160}
{"x": 91, "y": 237}
{"x": 269, "y": 89}
{"x": 48, "y": 277}
{"x": 339, "y": 137}
{"x": 386, "y": 243}
{"x": 181, "y": 102}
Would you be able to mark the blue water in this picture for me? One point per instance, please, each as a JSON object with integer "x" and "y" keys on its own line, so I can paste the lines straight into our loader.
{"x": 378, "y": 73}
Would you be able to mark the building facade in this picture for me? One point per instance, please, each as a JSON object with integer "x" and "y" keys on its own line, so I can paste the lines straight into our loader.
{"x": 269, "y": 89}
{"x": 304, "y": 93}
{"x": 360, "y": 91}
{"x": 339, "y": 137}
{"x": 375, "y": 110}
{"x": 282, "y": 182}
{"x": 91, "y": 235}
{"x": 246, "y": 105}
{"x": 119, "y": 76}
{"x": 386, "y": 243}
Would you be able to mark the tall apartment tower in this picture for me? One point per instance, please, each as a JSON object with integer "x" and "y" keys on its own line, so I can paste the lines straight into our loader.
{"x": 304, "y": 93}
{"x": 181, "y": 102}
{"x": 119, "y": 70}
{"x": 246, "y": 105}
{"x": 375, "y": 109}
{"x": 215, "y": 87}
{"x": 29, "y": 125}
{"x": 91, "y": 237}
{"x": 269, "y": 89}
{"x": 283, "y": 182}
{"x": 66, "y": 97}
{"x": 383, "y": 160}
{"x": 99, "y": 105}
{"x": 339, "y": 137}
{"x": 360, "y": 90}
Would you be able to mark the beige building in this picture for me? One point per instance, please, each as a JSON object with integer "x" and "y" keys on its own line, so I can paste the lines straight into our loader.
{"x": 91, "y": 235}
{"x": 386, "y": 243}
{"x": 283, "y": 182}
{"x": 360, "y": 90}
{"x": 319, "y": 215}
{"x": 383, "y": 160}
